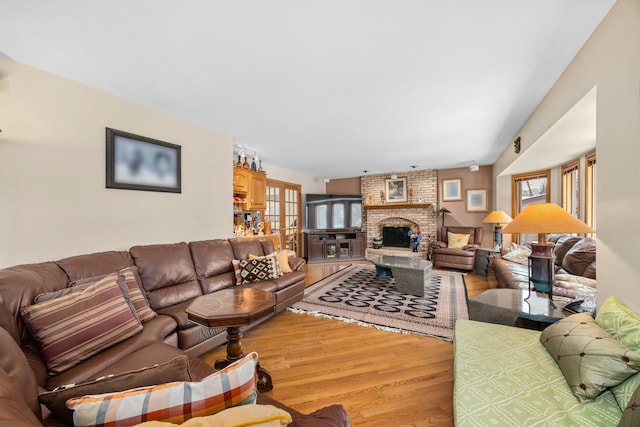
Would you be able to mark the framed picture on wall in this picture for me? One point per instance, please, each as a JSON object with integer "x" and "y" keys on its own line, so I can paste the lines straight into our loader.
{"x": 451, "y": 189}
{"x": 396, "y": 190}
{"x": 477, "y": 200}
{"x": 136, "y": 162}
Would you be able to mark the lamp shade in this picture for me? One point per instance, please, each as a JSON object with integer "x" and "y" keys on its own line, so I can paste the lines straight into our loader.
{"x": 544, "y": 218}
{"x": 498, "y": 217}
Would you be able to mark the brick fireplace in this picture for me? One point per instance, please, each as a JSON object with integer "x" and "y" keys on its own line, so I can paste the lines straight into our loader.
{"x": 420, "y": 209}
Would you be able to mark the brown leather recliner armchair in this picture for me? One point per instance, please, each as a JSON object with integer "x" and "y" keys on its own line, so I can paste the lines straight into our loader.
{"x": 463, "y": 259}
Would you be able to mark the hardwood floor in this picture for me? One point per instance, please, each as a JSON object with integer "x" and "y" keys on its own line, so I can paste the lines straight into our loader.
{"x": 381, "y": 378}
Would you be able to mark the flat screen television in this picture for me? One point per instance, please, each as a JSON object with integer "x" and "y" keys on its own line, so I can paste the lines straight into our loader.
{"x": 333, "y": 211}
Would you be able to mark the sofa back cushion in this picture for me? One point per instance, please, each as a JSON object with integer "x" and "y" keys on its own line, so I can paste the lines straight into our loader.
{"x": 563, "y": 245}
{"x": 167, "y": 273}
{"x": 20, "y": 284}
{"x": 212, "y": 260}
{"x": 14, "y": 365}
{"x": 243, "y": 246}
{"x": 475, "y": 233}
{"x": 579, "y": 259}
{"x": 95, "y": 265}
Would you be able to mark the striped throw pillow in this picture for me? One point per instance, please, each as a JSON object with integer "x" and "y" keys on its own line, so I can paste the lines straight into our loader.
{"x": 133, "y": 283}
{"x": 173, "y": 402}
{"x": 76, "y": 326}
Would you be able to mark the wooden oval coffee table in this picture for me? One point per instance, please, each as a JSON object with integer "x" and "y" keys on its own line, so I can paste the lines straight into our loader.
{"x": 233, "y": 308}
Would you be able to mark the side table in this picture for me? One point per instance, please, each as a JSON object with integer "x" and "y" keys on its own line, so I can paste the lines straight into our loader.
{"x": 483, "y": 258}
{"x": 233, "y": 308}
{"x": 515, "y": 307}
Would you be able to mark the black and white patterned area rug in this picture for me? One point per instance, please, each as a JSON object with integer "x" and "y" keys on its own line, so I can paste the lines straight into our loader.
{"x": 356, "y": 295}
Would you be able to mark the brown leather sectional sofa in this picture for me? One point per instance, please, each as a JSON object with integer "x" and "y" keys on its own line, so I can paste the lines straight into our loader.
{"x": 172, "y": 276}
{"x": 574, "y": 255}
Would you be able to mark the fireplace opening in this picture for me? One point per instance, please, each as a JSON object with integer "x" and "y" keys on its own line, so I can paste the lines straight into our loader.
{"x": 396, "y": 236}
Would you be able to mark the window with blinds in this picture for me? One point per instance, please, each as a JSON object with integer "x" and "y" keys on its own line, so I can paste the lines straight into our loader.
{"x": 571, "y": 188}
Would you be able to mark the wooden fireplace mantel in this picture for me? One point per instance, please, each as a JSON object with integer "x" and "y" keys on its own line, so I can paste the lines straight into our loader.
{"x": 399, "y": 206}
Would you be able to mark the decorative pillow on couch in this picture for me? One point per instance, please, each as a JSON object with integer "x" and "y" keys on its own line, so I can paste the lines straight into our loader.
{"x": 518, "y": 253}
{"x": 253, "y": 270}
{"x": 590, "y": 359}
{"x": 76, "y": 326}
{"x": 623, "y": 324}
{"x": 457, "y": 241}
{"x": 176, "y": 369}
{"x": 282, "y": 259}
{"x": 173, "y": 402}
{"x": 238, "y": 416}
{"x": 131, "y": 279}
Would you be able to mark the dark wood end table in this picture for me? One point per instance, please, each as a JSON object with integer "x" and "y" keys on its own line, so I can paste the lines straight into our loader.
{"x": 233, "y": 308}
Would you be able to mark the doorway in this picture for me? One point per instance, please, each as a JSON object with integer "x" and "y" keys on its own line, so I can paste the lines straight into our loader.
{"x": 284, "y": 212}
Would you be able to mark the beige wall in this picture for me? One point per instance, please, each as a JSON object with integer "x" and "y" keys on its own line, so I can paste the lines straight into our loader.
{"x": 459, "y": 215}
{"x": 609, "y": 61}
{"x": 343, "y": 186}
{"x": 53, "y": 200}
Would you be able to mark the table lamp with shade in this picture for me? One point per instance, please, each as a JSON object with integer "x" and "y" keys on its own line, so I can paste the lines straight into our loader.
{"x": 543, "y": 219}
{"x": 497, "y": 218}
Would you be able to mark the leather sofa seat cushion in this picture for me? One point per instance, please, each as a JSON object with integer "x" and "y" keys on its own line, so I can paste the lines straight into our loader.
{"x": 179, "y": 314}
{"x": 20, "y": 284}
{"x": 456, "y": 253}
{"x": 580, "y": 257}
{"x": 563, "y": 245}
{"x": 264, "y": 285}
{"x": 212, "y": 257}
{"x": 14, "y": 364}
{"x": 197, "y": 334}
{"x": 329, "y": 416}
{"x": 95, "y": 265}
{"x": 243, "y": 246}
{"x": 14, "y": 411}
{"x": 289, "y": 279}
{"x": 154, "y": 330}
{"x": 155, "y": 353}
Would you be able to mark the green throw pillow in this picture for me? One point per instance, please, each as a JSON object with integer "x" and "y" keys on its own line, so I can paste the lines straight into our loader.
{"x": 631, "y": 412}
{"x": 624, "y": 325}
{"x": 589, "y": 358}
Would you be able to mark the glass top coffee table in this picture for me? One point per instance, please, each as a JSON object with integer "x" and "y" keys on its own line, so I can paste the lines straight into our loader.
{"x": 410, "y": 274}
{"x": 511, "y": 307}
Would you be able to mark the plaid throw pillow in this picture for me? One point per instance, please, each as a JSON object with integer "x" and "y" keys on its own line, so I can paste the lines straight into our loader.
{"x": 173, "y": 402}
{"x": 253, "y": 270}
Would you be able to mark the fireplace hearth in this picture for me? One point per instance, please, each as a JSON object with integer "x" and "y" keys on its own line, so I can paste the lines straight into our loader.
{"x": 396, "y": 236}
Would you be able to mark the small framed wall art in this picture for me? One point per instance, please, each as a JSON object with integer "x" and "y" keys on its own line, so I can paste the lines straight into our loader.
{"x": 396, "y": 190}
{"x": 477, "y": 200}
{"x": 451, "y": 189}
{"x": 136, "y": 162}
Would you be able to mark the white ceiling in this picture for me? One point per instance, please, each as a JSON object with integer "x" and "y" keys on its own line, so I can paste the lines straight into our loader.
{"x": 329, "y": 88}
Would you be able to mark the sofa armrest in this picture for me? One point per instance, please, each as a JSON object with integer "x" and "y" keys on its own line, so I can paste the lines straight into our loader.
{"x": 296, "y": 263}
{"x": 472, "y": 247}
{"x": 439, "y": 244}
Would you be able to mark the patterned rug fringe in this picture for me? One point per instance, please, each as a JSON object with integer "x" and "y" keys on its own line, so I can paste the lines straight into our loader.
{"x": 349, "y": 320}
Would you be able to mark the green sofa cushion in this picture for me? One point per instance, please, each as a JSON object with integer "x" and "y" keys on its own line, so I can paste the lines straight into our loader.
{"x": 504, "y": 376}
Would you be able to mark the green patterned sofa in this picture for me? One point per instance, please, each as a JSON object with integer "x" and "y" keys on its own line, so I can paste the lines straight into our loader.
{"x": 504, "y": 376}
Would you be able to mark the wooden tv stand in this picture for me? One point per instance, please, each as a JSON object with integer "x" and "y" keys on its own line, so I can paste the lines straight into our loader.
{"x": 334, "y": 245}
